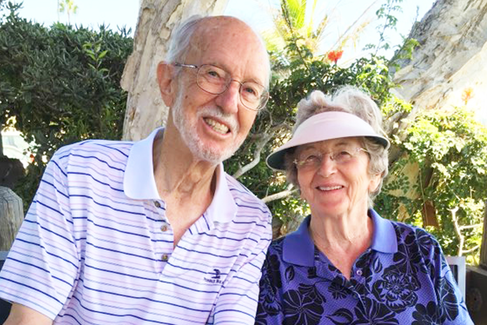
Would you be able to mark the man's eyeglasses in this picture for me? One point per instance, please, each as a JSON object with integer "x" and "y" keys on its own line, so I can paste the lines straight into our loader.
{"x": 312, "y": 160}
{"x": 215, "y": 80}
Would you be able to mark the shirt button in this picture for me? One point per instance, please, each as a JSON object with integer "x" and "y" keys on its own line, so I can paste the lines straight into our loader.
{"x": 359, "y": 272}
{"x": 165, "y": 257}
{"x": 157, "y": 204}
{"x": 164, "y": 228}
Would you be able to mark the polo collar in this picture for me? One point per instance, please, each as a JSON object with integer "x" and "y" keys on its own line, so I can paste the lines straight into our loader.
{"x": 223, "y": 207}
{"x": 298, "y": 247}
{"x": 139, "y": 182}
{"x": 384, "y": 239}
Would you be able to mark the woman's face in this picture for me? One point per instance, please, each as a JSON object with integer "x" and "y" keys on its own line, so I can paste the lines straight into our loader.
{"x": 333, "y": 176}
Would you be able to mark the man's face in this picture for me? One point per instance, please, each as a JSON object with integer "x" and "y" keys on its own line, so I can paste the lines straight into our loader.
{"x": 214, "y": 126}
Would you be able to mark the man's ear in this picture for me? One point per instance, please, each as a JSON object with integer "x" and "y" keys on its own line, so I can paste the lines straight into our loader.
{"x": 165, "y": 79}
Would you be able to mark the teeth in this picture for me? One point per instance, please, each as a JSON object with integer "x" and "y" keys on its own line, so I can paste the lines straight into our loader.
{"x": 322, "y": 188}
{"x": 218, "y": 127}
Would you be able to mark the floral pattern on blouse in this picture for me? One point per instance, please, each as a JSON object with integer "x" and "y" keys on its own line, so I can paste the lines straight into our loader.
{"x": 403, "y": 278}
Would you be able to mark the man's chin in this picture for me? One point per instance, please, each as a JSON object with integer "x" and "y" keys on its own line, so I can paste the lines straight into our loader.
{"x": 210, "y": 151}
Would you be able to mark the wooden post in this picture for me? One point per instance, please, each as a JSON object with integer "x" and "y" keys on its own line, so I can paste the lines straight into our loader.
{"x": 483, "y": 248}
{"x": 11, "y": 217}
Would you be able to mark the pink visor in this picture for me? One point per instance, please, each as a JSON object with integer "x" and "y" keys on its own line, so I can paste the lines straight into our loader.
{"x": 325, "y": 126}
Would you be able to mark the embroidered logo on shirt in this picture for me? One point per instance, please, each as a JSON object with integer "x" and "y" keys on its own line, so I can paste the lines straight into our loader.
{"x": 215, "y": 276}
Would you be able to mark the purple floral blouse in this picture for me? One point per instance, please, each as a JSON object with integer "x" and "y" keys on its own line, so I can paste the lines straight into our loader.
{"x": 403, "y": 278}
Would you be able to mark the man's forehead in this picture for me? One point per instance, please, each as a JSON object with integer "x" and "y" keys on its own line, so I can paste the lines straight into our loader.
{"x": 214, "y": 29}
{"x": 228, "y": 42}
{"x": 212, "y": 24}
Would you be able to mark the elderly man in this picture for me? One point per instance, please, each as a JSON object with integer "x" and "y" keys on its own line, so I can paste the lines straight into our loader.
{"x": 154, "y": 232}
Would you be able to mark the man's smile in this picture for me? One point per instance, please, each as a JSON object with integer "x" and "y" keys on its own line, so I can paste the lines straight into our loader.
{"x": 216, "y": 126}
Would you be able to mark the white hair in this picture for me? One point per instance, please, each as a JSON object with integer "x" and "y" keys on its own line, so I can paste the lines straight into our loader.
{"x": 182, "y": 35}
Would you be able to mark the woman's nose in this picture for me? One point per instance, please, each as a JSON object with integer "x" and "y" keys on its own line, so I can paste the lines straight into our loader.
{"x": 327, "y": 166}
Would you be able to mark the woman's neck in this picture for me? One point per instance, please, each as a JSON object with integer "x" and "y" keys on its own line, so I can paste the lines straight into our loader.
{"x": 342, "y": 238}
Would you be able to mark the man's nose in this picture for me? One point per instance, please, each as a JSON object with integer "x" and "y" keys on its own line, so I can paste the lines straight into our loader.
{"x": 230, "y": 98}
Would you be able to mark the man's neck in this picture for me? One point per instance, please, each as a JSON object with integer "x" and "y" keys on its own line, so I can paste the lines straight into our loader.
{"x": 176, "y": 171}
{"x": 185, "y": 184}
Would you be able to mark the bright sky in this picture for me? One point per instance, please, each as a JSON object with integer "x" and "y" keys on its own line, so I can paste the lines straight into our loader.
{"x": 342, "y": 13}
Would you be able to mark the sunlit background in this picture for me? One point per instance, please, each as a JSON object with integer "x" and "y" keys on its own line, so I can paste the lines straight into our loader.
{"x": 342, "y": 16}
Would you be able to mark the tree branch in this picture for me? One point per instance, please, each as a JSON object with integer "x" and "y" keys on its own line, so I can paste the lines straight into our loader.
{"x": 471, "y": 226}
{"x": 461, "y": 238}
{"x": 261, "y": 140}
{"x": 280, "y": 195}
{"x": 471, "y": 249}
{"x": 260, "y": 145}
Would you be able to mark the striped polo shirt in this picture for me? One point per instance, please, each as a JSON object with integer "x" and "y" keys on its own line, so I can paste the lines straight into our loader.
{"x": 96, "y": 247}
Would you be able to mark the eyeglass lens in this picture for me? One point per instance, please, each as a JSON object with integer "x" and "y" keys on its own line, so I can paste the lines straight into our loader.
{"x": 314, "y": 159}
{"x": 215, "y": 80}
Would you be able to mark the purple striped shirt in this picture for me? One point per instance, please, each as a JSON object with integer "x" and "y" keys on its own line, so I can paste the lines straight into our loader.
{"x": 96, "y": 247}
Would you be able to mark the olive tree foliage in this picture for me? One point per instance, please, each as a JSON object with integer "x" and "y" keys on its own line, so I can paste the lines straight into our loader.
{"x": 59, "y": 85}
{"x": 448, "y": 149}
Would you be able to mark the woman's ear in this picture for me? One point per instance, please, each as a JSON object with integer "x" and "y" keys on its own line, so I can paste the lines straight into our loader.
{"x": 374, "y": 182}
{"x": 166, "y": 82}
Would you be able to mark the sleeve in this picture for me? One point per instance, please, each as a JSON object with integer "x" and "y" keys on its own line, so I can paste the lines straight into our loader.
{"x": 269, "y": 311}
{"x": 451, "y": 303}
{"x": 237, "y": 302}
{"x": 43, "y": 263}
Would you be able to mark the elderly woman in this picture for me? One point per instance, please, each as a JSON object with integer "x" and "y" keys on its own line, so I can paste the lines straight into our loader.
{"x": 346, "y": 264}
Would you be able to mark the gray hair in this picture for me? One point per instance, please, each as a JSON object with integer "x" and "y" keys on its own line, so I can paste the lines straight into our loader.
{"x": 182, "y": 35}
{"x": 347, "y": 99}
